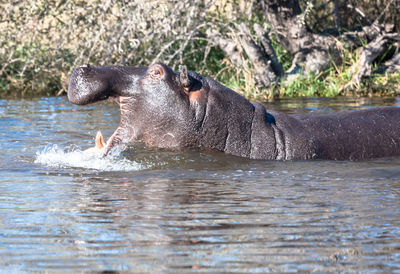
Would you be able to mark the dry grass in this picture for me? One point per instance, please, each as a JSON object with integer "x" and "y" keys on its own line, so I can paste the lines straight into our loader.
{"x": 47, "y": 39}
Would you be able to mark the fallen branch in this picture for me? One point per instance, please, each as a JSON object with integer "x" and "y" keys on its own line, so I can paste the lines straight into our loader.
{"x": 368, "y": 54}
{"x": 263, "y": 71}
{"x": 390, "y": 66}
{"x": 227, "y": 45}
{"x": 269, "y": 49}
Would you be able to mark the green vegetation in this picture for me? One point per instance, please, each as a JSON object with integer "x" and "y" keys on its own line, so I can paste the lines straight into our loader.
{"x": 42, "y": 41}
{"x": 331, "y": 82}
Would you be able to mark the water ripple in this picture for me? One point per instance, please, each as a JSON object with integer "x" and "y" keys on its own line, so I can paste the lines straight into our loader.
{"x": 154, "y": 210}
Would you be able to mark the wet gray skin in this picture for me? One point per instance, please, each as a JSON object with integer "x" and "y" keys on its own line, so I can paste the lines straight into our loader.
{"x": 186, "y": 110}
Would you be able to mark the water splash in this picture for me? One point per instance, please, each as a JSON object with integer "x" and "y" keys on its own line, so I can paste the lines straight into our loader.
{"x": 57, "y": 157}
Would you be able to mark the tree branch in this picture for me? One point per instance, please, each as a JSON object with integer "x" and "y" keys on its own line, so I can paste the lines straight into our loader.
{"x": 263, "y": 71}
{"x": 269, "y": 49}
{"x": 227, "y": 45}
{"x": 391, "y": 66}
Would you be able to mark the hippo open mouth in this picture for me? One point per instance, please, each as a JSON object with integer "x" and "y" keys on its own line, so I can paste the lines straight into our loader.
{"x": 116, "y": 137}
{"x": 147, "y": 107}
{"x": 91, "y": 84}
{"x": 124, "y": 133}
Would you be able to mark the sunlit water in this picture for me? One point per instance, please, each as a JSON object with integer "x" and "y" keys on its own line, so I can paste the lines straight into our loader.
{"x": 152, "y": 210}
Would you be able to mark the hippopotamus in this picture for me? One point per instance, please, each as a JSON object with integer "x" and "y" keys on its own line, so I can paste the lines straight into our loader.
{"x": 184, "y": 109}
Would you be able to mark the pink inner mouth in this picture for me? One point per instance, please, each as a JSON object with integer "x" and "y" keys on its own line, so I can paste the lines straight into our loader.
{"x": 123, "y": 133}
{"x": 117, "y": 99}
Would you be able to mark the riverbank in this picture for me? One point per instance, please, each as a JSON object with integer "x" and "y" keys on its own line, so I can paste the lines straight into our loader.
{"x": 379, "y": 85}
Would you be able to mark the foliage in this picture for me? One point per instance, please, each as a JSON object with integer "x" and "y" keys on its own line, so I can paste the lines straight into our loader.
{"x": 331, "y": 82}
{"x": 43, "y": 40}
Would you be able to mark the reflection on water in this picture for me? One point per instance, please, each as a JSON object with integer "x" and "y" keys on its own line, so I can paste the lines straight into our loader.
{"x": 159, "y": 210}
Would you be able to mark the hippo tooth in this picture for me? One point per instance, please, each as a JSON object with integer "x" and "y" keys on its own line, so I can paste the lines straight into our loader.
{"x": 99, "y": 141}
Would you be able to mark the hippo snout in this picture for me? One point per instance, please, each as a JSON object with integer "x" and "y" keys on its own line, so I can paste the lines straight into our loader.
{"x": 87, "y": 85}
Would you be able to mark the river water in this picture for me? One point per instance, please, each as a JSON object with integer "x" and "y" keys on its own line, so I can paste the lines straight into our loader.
{"x": 152, "y": 210}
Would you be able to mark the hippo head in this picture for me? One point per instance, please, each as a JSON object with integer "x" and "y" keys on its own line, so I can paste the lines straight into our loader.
{"x": 158, "y": 106}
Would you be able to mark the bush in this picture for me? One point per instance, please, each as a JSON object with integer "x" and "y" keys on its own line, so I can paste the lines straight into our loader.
{"x": 43, "y": 40}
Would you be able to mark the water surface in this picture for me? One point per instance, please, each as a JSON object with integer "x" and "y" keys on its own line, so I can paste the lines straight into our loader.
{"x": 151, "y": 210}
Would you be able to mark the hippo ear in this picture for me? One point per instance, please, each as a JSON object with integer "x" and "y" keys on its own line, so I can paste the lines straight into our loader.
{"x": 184, "y": 77}
{"x": 156, "y": 71}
